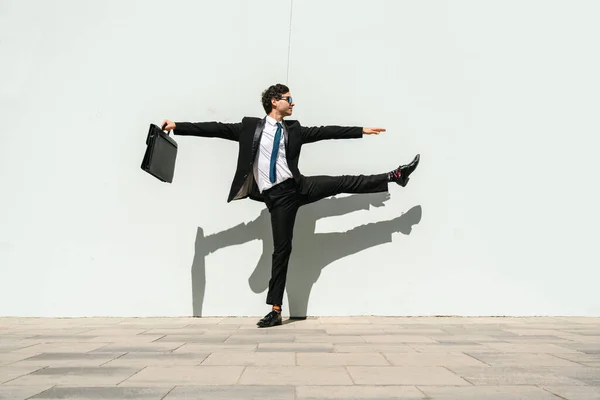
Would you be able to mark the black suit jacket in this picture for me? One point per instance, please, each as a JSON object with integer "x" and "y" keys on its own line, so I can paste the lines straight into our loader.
{"x": 248, "y": 134}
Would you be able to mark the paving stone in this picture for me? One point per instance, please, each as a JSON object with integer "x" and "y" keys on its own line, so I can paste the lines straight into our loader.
{"x": 487, "y": 393}
{"x": 20, "y": 392}
{"x": 397, "y": 339}
{"x": 509, "y": 376}
{"x": 180, "y": 339}
{"x": 432, "y": 359}
{"x": 296, "y": 347}
{"x": 139, "y": 348}
{"x": 76, "y": 376}
{"x": 127, "y": 339}
{"x": 60, "y": 348}
{"x": 575, "y": 392}
{"x": 452, "y": 348}
{"x": 522, "y": 359}
{"x": 581, "y": 358}
{"x": 241, "y": 339}
{"x": 10, "y": 358}
{"x": 372, "y": 348}
{"x": 359, "y": 392}
{"x": 104, "y": 393}
{"x": 207, "y": 348}
{"x": 141, "y": 360}
{"x": 404, "y": 376}
{"x": 321, "y": 359}
{"x": 185, "y": 375}
{"x": 232, "y": 393}
{"x": 69, "y": 359}
{"x": 329, "y": 339}
{"x": 10, "y": 372}
{"x": 529, "y": 348}
{"x": 251, "y": 358}
{"x": 297, "y": 375}
{"x": 588, "y": 348}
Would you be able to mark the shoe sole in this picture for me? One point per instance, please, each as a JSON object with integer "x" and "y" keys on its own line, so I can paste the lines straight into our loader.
{"x": 268, "y": 326}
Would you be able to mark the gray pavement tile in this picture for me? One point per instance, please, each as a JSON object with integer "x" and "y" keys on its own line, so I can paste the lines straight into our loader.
{"x": 179, "y": 339}
{"x": 10, "y": 372}
{"x": 359, "y": 392}
{"x": 232, "y": 393}
{"x": 588, "y": 348}
{"x": 251, "y": 358}
{"x": 398, "y": 339}
{"x": 75, "y": 376}
{"x": 69, "y": 359}
{"x": 341, "y": 359}
{"x": 452, "y": 348}
{"x": 296, "y": 375}
{"x": 404, "y": 376}
{"x": 589, "y": 375}
{"x": 10, "y": 358}
{"x": 241, "y": 339}
{"x": 185, "y": 375}
{"x": 581, "y": 358}
{"x": 139, "y": 348}
{"x": 50, "y": 338}
{"x": 509, "y": 376}
{"x": 373, "y": 348}
{"x": 530, "y": 348}
{"x": 536, "y": 339}
{"x": 20, "y": 392}
{"x": 210, "y": 348}
{"x": 104, "y": 393}
{"x": 432, "y": 359}
{"x": 575, "y": 392}
{"x": 60, "y": 348}
{"x": 487, "y": 393}
{"x": 156, "y": 359}
{"x": 296, "y": 347}
{"x": 329, "y": 339}
{"x": 522, "y": 359}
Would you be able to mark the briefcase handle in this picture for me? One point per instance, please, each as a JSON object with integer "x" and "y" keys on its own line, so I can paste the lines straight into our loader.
{"x": 163, "y": 128}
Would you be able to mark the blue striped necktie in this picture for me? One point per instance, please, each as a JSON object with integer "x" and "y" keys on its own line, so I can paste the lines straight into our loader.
{"x": 272, "y": 174}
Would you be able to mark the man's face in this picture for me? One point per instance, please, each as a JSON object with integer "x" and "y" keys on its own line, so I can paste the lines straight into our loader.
{"x": 284, "y": 104}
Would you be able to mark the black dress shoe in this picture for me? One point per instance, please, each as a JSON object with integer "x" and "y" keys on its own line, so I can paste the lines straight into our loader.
{"x": 271, "y": 319}
{"x": 404, "y": 171}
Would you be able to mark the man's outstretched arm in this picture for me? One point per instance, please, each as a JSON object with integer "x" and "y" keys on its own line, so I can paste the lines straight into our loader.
{"x": 205, "y": 129}
{"x": 313, "y": 134}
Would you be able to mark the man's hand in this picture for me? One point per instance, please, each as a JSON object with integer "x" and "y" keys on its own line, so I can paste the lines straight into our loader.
{"x": 372, "y": 131}
{"x": 170, "y": 125}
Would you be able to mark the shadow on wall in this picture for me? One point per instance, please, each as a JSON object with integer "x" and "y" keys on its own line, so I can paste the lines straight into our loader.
{"x": 311, "y": 251}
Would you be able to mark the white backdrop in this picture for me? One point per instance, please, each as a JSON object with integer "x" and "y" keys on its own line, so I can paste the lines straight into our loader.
{"x": 500, "y": 98}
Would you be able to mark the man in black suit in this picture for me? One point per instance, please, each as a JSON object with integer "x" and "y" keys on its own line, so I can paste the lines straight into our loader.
{"x": 267, "y": 171}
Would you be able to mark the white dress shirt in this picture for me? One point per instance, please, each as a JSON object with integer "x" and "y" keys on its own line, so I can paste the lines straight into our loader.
{"x": 262, "y": 163}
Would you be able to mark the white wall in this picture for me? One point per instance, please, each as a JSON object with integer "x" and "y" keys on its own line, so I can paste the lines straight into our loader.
{"x": 500, "y": 98}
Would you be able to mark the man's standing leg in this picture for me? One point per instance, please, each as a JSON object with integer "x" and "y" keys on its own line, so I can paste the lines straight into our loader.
{"x": 282, "y": 202}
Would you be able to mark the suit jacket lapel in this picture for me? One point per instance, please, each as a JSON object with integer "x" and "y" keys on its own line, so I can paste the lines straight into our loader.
{"x": 286, "y": 137}
{"x": 257, "y": 135}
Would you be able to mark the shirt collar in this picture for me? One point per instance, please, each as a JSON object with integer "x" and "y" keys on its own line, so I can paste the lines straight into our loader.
{"x": 272, "y": 121}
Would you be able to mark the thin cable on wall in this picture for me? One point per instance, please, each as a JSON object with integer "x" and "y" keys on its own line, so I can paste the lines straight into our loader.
{"x": 287, "y": 76}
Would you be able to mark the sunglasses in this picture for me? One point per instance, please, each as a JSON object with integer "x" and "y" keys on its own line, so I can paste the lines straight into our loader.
{"x": 288, "y": 99}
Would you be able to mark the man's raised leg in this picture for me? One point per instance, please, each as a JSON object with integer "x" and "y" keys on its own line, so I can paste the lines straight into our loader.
{"x": 318, "y": 187}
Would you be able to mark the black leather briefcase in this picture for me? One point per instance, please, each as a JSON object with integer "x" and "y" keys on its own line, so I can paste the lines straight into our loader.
{"x": 161, "y": 152}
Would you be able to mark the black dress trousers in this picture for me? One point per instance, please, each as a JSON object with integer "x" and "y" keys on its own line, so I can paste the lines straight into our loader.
{"x": 283, "y": 201}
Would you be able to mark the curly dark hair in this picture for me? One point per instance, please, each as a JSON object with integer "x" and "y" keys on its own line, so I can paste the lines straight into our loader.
{"x": 274, "y": 91}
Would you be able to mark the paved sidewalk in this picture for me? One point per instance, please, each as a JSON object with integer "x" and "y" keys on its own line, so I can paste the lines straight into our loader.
{"x": 320, "y": 358}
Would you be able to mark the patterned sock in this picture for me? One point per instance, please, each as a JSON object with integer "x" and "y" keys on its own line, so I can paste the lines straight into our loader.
{"x": 394, "y": 175}
{"x": 277, "y": 308}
